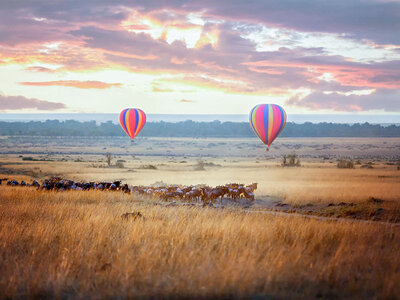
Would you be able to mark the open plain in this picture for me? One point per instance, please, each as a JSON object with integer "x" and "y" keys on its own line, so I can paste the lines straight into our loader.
{"x": 226, "y": 250}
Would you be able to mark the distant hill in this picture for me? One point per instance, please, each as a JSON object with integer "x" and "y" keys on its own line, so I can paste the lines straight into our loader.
{"x": 193, "y": 129}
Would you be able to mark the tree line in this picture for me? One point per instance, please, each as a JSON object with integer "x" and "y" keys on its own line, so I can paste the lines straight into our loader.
{"x": 193, "y": 129}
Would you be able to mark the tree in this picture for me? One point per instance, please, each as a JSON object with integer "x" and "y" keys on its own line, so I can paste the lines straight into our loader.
{"x": 108, "y": 159}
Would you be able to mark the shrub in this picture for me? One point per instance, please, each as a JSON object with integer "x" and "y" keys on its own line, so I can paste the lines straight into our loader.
{"x": 291, "y": 160}
{"x": 148, "y": 167}
{"x": 28, "y": 158}
{"x": 119, "y": 164}
{"x": 345, "y": 164}
{"x": 367, "y": 166}
{"x": 199, "y": 166}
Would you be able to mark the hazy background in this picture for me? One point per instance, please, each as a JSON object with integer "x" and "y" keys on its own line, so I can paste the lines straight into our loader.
{"x": 296, "y": 118}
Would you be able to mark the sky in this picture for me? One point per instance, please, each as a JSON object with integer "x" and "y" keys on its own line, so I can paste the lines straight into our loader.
{"x": 200, "y": 57}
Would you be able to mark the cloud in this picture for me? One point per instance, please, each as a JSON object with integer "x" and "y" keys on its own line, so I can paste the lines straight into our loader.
{"x": 372, "y": 19}
{"x": 74, "y": 83}
{"x": 98, "y": 35}
{"x": 187, "y": 101}
{"x": 21, "y": 102}
{"x": 157, "y": 89}
{"x": 363, "y": 19}
{"x": 313, "y": 68}
{"x": 39, "y": 69}
{"x": 360, "y": 19}
{"x": 384, "y": 99}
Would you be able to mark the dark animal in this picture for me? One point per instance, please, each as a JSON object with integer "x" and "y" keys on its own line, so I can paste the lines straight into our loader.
{"x": 35, "y": 183}
{"x": 132, "y": 216}
{"x": 12, "y": 183}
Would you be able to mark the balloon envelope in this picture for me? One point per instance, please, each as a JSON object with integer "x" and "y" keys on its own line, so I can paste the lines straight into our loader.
{"x": 267, "y": 121}
{"x": 132, "y": 121}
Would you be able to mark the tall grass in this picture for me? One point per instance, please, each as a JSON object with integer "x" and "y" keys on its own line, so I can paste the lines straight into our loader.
{"x": 75, "y": 244}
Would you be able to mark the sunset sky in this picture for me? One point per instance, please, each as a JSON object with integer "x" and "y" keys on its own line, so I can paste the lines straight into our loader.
{"x": 194, "y": 57}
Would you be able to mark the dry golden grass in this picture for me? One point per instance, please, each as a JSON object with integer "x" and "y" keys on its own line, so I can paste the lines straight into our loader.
{"x": 311, "y": 183}
{"x": 75, "y": 244}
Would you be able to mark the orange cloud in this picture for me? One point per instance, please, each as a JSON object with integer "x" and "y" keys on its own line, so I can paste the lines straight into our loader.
{"x": 161, "y": 90}
{"x": 177, "y": 61}
{"x": 228, "y": 86}
{"x": 72, "y": 56}
{"x": 208, "y": 38}
{"x": 170, "y": 26}
{"x": 187, "y": 101}
{"x": 213, "y": 65}
{"x": 270, "y": 71}
{"x": 74, "y": 83}
{"x": 130, "y": 55}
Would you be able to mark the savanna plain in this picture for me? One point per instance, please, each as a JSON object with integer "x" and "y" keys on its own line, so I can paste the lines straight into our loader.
{"x": 325, "y": 227}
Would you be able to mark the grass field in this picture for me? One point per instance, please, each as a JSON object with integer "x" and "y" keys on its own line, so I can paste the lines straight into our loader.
{"x": 76, "y": 245}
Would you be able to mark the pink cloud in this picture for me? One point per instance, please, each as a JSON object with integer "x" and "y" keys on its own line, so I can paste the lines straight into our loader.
{"x": 387, "y": 100}
{"x": 39, "y": 69}
{"x": 347, "y": 75}
{"x": 21, "y": 102}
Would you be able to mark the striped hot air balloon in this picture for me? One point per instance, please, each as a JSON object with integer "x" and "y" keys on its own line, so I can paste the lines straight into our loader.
{"x": 267, "y": 121}
{"x": 132, "y": 121}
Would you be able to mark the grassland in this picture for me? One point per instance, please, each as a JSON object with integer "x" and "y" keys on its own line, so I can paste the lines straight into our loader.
{"x": 76, "y": 245}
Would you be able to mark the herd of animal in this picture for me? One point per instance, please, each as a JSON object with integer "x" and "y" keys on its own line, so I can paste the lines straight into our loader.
{"x": 198, "y": 193}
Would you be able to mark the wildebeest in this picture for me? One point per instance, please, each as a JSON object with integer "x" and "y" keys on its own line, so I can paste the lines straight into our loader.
{"x": 12, "y": 182}
{"x": 205, "y": 194}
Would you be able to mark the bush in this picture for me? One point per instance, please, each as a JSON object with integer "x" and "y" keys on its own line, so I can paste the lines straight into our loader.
{"x": 291, "y": 160}
{"x": 199, "y": 166}
{"x": 148, "y": 167}
{"x": 28, "y": 158}
{"x": 367, "y": 166}
{"x": 345, "y": 164}
{"x": 119, "y": 164}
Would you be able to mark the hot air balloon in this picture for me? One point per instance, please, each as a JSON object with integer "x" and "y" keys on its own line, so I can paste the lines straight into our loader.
{"x": 267, "y": 121}
{"x": 132, "y": 121}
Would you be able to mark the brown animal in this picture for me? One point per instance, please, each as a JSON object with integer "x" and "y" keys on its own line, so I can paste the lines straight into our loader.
{"x": 132, "y": 216}
{"x": 248, "y": 195}
{"x": 252, "y": 187}
{"x": 218, "y": 192}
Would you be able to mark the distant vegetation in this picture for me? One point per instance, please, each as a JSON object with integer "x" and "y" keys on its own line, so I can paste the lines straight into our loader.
{"x": 193, "y": 129}
{"x": 345, "y": 164}
{"x": 291, "y": 160}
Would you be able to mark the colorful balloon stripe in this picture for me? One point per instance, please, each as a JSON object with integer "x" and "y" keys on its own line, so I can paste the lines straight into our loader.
{"x": 267, "y": 121}
{"x": 132, "y": 121}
